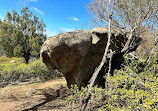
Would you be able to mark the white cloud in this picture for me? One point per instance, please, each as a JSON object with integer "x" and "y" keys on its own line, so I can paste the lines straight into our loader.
{"x": 74, "y": 18}
{"x": 65, "y": 30}
{"x": 26, "y": 2}
{"x": 39, "y": 11}
{"x": 23, "y": 2}
{"x": 33, "y": 0}
{"x": 50, "y": 33}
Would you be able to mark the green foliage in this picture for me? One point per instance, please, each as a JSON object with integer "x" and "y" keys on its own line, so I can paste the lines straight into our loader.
{"x": 13, "y": 70}
{"x": 132, "y": 88}
{"x": 77, "y": 96}
{"x": 22, "y": 35}
{"x": 17, "y": 51}
{"x": 5, "y": 59}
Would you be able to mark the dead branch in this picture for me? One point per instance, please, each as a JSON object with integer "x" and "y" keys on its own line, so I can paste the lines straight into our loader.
{"x": 151, "y": 53}
{"x": 109, "y": 70}
{"x": 95, "y": 74}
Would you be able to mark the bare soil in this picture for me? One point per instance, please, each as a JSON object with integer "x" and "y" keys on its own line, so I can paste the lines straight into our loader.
{"x": 46, "y": 96}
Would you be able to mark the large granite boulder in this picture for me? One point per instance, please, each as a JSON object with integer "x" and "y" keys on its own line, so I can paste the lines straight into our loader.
{"x": 76, "y": 54}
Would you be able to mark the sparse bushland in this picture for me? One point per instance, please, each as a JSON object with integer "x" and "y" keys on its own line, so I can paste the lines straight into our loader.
{"x": 134, "y": 87}
{"x": 13, "y": 70}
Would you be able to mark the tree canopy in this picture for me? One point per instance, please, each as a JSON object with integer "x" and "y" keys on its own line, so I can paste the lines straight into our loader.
{"x": 128, "y": 14}
{"x": 22, "y": 35}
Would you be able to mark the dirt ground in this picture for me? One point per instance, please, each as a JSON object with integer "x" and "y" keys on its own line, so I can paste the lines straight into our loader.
{"x": 46, "y": 96}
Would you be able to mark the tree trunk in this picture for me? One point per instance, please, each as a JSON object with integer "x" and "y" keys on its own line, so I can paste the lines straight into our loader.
{"x": 95, "y": 74}
{"x": 26, "y": 60}
{"x": 27, "y": 57}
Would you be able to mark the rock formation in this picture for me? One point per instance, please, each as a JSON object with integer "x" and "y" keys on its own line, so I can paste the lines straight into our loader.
{"x": 76, "y": 54}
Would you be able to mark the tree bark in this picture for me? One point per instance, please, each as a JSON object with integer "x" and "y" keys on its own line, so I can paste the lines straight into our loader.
{"x": 95, "y": 74}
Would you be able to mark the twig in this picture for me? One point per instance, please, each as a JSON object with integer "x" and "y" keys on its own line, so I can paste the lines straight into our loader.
{"x": 109, "y": 70}
{"x": 95, "y": 74}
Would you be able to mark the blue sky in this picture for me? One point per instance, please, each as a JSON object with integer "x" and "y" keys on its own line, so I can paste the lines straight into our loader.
{"x": 59, "y": 15}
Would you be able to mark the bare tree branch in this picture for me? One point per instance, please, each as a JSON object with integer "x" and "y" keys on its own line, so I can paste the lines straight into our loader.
{"x": 109, "y": 70}
{"x": 95, "y": 74}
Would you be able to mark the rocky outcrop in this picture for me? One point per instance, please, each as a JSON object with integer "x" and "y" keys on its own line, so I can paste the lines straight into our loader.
{"x": 77, "y": 54}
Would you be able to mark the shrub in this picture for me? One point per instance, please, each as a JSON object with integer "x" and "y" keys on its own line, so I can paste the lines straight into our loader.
{"x": 17, "y": 71}
{"x": 134, "y": 87}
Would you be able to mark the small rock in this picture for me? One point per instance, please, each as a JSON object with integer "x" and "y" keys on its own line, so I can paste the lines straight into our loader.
{"x": 32, "y": 91}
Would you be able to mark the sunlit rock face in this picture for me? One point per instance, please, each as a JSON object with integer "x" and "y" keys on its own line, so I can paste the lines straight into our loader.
{"x": 77, "y": 54}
